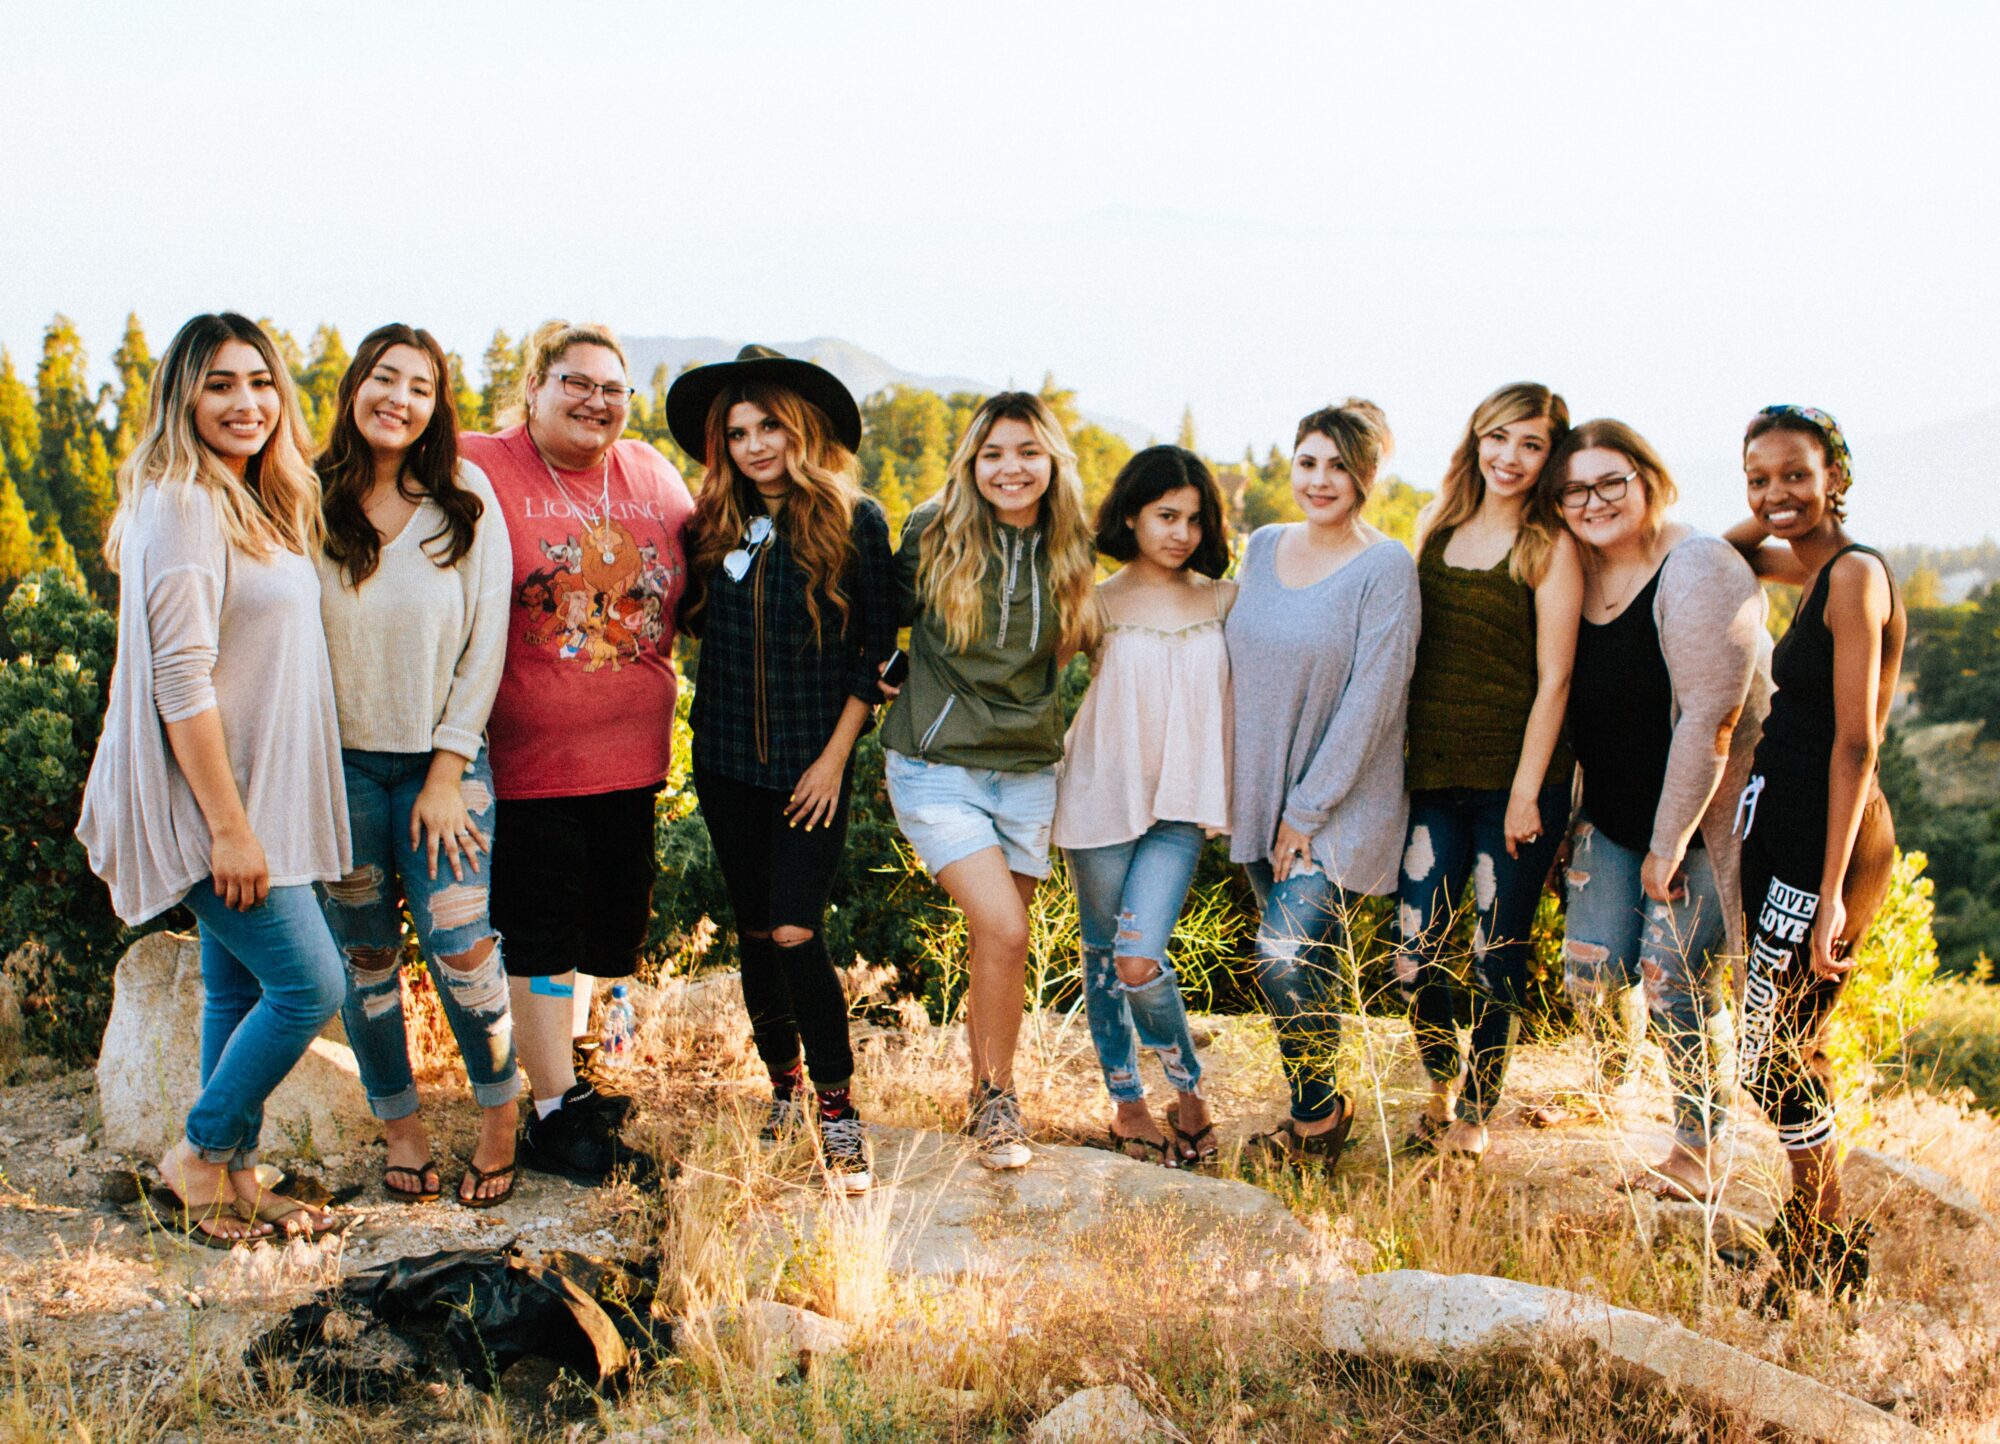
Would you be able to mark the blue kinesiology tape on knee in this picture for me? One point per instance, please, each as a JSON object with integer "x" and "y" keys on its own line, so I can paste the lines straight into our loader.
{"x": 550, "y": 988}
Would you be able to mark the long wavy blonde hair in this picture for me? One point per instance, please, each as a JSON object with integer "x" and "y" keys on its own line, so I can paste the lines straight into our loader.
{"x": 958, "y": 548}
{"x": 276, "y": 502}
{"x": 818, "y": 516}
{"x": 1463, "y": 488}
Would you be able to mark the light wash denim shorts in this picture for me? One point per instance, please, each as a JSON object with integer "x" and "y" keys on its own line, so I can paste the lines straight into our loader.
{"x": 948, "y": 813}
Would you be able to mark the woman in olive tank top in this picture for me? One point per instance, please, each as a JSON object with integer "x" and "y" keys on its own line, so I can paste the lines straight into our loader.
{"x": 1818, "y": 842}
{"x": 1489, "y": 772}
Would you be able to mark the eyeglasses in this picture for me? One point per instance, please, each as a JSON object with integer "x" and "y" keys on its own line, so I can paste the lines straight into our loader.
{"x": 1576, "y": 496}
{"x": 736, "y": 565}
{"x": 583, "y": 388}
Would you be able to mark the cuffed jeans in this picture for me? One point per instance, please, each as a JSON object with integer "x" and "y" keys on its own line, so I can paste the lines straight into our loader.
{"x": 271, "y": 979}
{"x": 1128, "y": 898}
{"x": 1458, "y": 835}
{"x": 1615, "y": 939}
{"x": 450, "y": 916}
{"x": 1302, "y": 949}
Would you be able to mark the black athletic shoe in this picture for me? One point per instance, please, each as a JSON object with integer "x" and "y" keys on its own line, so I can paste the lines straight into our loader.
{"x": 587, "y": 1060}
{"x": 579, "y": 1143}
{"x": 844, "y": 1153}
{"x": 1815, "y": 1257}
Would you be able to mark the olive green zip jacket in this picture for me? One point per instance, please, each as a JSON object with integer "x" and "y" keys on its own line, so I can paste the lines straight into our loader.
{"x": 993, "y": 705}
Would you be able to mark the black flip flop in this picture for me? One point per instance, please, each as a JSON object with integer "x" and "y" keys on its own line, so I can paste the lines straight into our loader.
{"x": 1148, "y": 1151}
{"x": 1199, "y": 1147}
{"x": 481, "y": 1176}
{"x": 423, "y": 1192}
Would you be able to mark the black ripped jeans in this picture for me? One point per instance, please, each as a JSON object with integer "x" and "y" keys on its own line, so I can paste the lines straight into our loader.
{"x": 779, "y": 877}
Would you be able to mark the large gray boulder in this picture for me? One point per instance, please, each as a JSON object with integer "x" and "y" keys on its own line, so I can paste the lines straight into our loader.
{"x": 1409, "y": 1314}
{"x": 1111, "y": 1414}
{"x": 149, "y": 1068}
{"x": 942, "y": 1216}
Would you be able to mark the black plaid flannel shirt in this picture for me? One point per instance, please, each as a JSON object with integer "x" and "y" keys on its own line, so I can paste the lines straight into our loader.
{"x": 805, "y": 681}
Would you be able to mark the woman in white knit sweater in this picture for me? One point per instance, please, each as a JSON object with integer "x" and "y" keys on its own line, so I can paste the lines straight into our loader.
{"x": 414, "y": 589}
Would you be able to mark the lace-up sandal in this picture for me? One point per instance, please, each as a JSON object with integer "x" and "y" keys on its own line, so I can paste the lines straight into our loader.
{"x": 167, "y": 1212}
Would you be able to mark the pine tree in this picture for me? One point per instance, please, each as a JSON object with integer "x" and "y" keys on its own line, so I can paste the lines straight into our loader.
{"x": 20, "y": 552}
{"x": 319, "y": 382}
{"x": 469, "y": 404}
{"x": 1062, "y": 402}
{"x": 889, "y": 490}
{"x": 1189, "y": 439}
{"x": 21, "y": 440}
{"x": 56, "y": 550}
{"x": 75, "y": 464}
{"x": 501, "y": 365}
{"x": 134, "y": 362}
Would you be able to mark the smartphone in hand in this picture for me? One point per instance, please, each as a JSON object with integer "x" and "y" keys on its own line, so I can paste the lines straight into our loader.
{"x": 896, "y": 670}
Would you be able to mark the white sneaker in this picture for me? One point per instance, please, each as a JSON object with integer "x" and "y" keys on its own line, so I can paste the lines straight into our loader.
{"x": 997, "y": 1132}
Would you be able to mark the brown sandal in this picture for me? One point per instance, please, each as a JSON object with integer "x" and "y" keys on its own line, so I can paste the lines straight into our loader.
{"x": 1139, "y": 1150}
{"x": 1286, "y": 1147}
{"x": 426, "y": 1191}
{"x": 275, "y": 1208}
{"x": 480, "y": 1177}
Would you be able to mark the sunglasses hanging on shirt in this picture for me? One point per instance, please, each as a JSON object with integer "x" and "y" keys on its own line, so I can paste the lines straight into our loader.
{"x": 736, "y": 565}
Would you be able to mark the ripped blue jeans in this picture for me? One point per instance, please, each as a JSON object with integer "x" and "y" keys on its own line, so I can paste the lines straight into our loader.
{"x": 451, "y": 920}
{"x": 1457, "y": 836}
{"x": 1302, "y": 953}
{"x": 1616, "y": 940}
{"x": 1128, "y": 898}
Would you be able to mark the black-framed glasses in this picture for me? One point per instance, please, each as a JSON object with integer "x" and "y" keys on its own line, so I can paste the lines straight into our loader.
{"x": 583, "y": 388}
{"x": 1576, "y": 496}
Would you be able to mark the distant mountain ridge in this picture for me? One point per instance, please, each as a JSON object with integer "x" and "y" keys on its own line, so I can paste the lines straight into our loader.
{"x": 859, "y": 369}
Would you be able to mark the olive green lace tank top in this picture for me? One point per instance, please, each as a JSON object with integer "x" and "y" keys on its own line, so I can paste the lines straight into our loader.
{"x": 1475, "y": 680}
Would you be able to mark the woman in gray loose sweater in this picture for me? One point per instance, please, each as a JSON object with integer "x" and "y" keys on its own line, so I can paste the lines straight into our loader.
{"x": 1322, "y": 641}
{"x": 1668, "y": 695}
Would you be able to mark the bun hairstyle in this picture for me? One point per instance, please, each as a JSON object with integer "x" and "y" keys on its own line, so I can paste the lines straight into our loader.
{"x": 1148, "y": 476}
{"x": 547, "y": 344}
{"x": 1821, "y": 427}
{"x": 1608, "y": 435}
{"x": 1360, "y": 435}
{"x": 1464, "y": 488}
{"x": 430, "y": 467}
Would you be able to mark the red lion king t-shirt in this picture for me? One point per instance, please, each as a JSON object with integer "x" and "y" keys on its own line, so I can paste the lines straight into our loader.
{"x": 586, "y": 702}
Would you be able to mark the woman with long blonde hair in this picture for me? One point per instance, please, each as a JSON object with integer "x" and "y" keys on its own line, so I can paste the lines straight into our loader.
{"x": 1489, "y": 772}
{"x": 996, "y": 577}
{"x": 791, "y": 589}
{"x": 218, "y": 622}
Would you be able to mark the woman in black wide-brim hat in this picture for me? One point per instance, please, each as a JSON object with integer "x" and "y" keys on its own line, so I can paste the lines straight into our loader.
{"x": 791, "y": 590}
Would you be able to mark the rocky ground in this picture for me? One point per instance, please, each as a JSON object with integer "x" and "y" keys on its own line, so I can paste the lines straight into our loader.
{"x": 134, "y": 1315}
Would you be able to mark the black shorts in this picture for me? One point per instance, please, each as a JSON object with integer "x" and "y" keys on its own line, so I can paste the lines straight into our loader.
{"x": 573, "y": 882}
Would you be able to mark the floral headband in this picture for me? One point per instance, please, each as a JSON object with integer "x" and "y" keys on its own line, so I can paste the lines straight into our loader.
{"x": 1828, "y": 428}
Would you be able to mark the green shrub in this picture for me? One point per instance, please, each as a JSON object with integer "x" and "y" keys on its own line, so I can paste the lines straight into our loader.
{"x": 51, "y": 709}
{"x": 1893, "y": 985}
{"x": 1958, "y": 1046}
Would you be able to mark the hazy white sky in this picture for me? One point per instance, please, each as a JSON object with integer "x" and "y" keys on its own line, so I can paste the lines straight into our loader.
{"x": 1672, "y": 213}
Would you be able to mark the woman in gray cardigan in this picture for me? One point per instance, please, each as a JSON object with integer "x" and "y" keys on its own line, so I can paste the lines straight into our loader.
{"x": 1671, "y": 684}
{"x": 1322, "y": 641}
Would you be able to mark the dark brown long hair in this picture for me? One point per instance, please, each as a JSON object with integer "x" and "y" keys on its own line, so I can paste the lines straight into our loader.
{"x": 818, "y": 515}
{"x": 430, "y": 467}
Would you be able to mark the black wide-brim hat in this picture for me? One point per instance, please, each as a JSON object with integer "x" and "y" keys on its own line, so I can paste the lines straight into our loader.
{"x": 694, "y": 392}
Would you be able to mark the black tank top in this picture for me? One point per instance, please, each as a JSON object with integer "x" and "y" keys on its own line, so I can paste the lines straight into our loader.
{"x": 1621, "y": 710}
{"x": 1797, "y": 743}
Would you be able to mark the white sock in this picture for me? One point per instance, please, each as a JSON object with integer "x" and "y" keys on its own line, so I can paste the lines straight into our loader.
{"x": 579, "y": 1006}
{"x": 545, "y": 1106}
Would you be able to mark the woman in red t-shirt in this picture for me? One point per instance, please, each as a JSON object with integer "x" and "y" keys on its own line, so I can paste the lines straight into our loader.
{"x": 581, "y": 735}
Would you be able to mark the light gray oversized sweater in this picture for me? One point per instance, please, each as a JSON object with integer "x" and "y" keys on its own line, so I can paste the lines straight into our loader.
{"x": 1709, "y": 611}
{"x": 1321, "y": 682}
{"x": 204, "y": 626}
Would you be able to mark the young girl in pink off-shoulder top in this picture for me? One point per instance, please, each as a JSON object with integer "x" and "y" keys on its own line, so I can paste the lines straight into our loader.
{"x": 1146, "y": 782}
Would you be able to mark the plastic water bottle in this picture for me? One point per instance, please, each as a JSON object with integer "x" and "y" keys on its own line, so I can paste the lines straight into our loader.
{"x": 615, "y": 1037}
